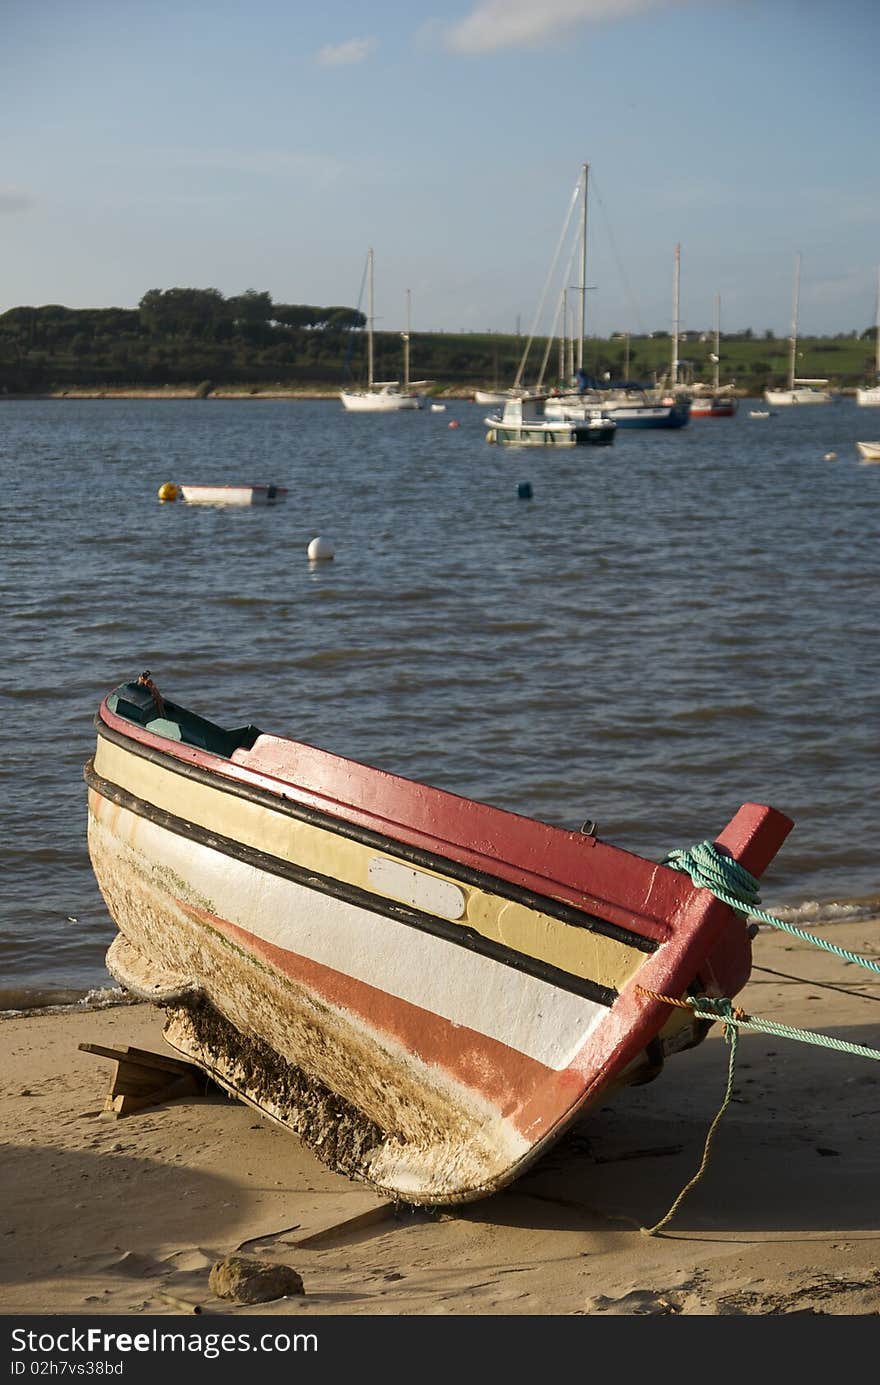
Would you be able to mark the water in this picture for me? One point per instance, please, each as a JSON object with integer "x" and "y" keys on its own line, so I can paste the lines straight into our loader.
{"x": 669, "y": 627}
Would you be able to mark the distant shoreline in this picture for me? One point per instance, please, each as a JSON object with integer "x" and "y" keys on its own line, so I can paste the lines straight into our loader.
{"x": 194, "y": 392}
{"x": 245, "y": 392}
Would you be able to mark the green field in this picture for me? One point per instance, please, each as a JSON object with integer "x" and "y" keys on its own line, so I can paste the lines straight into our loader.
{"x": 197, "y": 339}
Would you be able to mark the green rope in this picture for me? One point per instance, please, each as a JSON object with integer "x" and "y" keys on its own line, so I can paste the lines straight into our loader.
{"x": 786, "y": 1031}
{"x": 734, "y": 885}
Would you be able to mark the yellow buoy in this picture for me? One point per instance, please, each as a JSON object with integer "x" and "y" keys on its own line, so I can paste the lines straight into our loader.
{"x": 168, "y": 491}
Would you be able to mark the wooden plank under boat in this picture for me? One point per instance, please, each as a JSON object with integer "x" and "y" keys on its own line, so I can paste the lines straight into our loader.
{"x": 427, "y": 989}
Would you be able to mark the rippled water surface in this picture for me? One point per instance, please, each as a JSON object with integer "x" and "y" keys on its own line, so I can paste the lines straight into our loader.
{"x": 669, "y": 627}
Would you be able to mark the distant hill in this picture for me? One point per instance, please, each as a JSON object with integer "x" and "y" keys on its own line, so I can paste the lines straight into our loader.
{"x": 196, "y": 338}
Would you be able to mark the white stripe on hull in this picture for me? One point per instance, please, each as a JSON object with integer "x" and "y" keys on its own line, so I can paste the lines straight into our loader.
{"x": 466, "y": 988}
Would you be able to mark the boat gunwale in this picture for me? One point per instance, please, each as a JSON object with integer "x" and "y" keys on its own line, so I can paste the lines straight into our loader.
{"x": 642, "y": 876}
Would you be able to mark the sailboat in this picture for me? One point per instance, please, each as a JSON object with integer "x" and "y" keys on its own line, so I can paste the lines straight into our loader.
{"x": 716, "y": 404}
{"x": 383, "y": 396}
{"x": 870, "y": 394}
{"x": 630, "y": 405}
{"x": 798, "y": 390}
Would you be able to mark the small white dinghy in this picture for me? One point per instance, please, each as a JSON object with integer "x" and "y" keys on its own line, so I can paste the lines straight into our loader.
{"x": 232, "y": 495}
{"x": 869, "y": 451}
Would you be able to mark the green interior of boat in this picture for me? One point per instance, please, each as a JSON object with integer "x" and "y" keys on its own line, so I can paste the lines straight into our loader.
{"x": 137, "y": 703}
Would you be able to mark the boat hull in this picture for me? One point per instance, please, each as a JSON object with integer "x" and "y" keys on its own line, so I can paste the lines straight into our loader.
{"x": 444, "y": 984}
{"x": 797, "y": 396}
{"x": 650, "y": 416}
{"x": 551, "y": 435}
{"x": 233, "y": 495}
{"x": 868, "y": 397}
{"x": 625, "y": 415}
{"x": 379, "y": 402}
{"x": 869, "y": 451}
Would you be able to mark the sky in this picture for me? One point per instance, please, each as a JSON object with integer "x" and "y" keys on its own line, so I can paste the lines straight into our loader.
{"x": 268, "y": 145}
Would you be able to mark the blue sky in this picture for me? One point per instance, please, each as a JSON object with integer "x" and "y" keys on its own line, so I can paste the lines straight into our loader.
{"x": 267, "y": 145}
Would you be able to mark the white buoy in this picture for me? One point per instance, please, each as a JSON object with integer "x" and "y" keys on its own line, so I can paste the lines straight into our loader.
{"x": 830, "y": 456}
{"x": 320, "y": 548}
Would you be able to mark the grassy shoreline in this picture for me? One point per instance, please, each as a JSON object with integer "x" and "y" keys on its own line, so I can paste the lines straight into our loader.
{"x": 194, "y": 392}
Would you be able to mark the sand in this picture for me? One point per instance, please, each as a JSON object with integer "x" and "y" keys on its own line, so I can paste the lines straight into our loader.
{"x": 128, "y": 1216}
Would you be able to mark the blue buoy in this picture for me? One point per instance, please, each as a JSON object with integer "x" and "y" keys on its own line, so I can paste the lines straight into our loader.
{"x": 524, "y": 490}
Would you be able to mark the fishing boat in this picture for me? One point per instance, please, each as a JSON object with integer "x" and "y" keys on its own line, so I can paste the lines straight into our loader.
{"x": 426, "y": 989}
{"x": 869, "y": 395}
{"x": 201, "y": 494}
{"x": 800, "y": 389}
{"x": 383, "y": 396}
{"x": 869, "y": 451}
{"x": 525, "y": 423}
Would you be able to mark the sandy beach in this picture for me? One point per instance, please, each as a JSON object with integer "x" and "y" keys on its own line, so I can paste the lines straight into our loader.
{"x": 127, "y": 1216}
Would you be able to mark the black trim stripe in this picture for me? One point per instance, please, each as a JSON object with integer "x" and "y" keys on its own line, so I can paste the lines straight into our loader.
{"x": 413, "y": 855}
{"x": 459, "y": 934}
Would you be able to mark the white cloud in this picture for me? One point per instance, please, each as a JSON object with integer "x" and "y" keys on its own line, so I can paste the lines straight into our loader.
{"x": 496, "y": 24}
{"x": 354, "y": 50}
{"x": 13, "y": 200}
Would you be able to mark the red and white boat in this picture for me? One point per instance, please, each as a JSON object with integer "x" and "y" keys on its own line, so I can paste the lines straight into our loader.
{"x": 427, "y": 989}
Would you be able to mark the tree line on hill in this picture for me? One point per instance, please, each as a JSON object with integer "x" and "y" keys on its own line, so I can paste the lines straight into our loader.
{"x": 198, "y": 337}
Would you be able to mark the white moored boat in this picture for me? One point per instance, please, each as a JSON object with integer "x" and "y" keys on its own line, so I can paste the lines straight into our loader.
{"x": 525, "y": 423}
{"x": 870, "y": 394}
{"x": 720, "y": 403}
{"x": 232, "y": 495}
{"x": 869, "y": 451}
{"x": 799, "y": 390}
{"x": 496, "y": 396}
{"x": 383, "y": 396}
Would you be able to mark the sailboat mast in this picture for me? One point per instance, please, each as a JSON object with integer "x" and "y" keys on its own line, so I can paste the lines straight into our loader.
{"x": 563, "y": 336}
{"x": 582, "y": 326}
{"x": 675, "y": 325}
{"x": 792, "y": 362}
{"x": 370, "y": 319}
{"x": 877, "y": 332}
{"x": 406, "y": 347}
{"x": 717, "y": 341}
